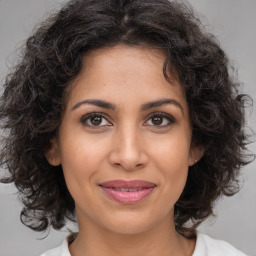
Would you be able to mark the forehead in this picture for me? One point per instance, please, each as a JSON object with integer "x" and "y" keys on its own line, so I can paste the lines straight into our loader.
{"x": 125, "y": 74}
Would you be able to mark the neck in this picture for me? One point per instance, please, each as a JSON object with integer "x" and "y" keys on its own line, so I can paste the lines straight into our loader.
{"x": 161, "y": 240}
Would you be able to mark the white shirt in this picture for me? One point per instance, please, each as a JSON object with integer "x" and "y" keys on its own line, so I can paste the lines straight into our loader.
{"x": 205, "y": 246}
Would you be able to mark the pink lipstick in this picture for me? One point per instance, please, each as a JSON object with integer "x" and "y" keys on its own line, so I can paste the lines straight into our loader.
{"x": 127, "y": 192}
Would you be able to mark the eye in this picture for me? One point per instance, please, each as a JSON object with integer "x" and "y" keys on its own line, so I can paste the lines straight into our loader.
{"x": 95, "y": 120}
{"x": 160, "y": 120}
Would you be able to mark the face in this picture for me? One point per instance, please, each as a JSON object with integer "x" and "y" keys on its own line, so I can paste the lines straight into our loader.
{"x": 125, "y": 141}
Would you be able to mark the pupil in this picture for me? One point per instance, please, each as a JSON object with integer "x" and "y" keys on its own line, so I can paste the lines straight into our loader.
{"x": 96, "y": 120}
{"x": 157, "y": 120}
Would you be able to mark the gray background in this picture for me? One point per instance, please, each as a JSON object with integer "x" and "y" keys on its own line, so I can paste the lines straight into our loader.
{"x": 234, "y": 23}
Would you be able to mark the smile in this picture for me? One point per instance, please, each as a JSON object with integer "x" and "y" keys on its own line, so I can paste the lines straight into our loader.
{"x": 127, "y": 192}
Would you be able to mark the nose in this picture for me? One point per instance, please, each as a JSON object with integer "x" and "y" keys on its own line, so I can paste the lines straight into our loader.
{"x": 128, "y": 149}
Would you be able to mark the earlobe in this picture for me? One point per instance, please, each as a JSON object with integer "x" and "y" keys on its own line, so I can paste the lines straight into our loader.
{"x": 52, "y": 153}
{"x": 196, "y": 153}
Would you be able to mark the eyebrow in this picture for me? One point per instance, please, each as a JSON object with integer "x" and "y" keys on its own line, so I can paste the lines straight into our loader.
{"x": 161, "y": 102}
{"x": 95, "y": 102}
{"x": 144, "y": 107}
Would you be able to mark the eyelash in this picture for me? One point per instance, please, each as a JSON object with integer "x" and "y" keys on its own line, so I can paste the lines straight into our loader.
{"x": 87, "y": 117}
{"x": 171, "y": 120}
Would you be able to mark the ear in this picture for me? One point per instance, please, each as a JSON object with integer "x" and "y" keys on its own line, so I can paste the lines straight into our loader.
{"x": 195, "y": 154}
{"x": 52, "y": 154}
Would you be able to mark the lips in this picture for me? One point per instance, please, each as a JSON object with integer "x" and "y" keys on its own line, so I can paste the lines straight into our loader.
{"x": 127, "y": 192}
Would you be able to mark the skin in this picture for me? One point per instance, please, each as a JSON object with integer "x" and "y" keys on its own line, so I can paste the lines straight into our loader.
{"x": 127, "y": 143}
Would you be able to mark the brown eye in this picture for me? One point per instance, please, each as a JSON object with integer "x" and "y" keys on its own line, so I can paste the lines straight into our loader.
{"x": 95, "y": 120}
{"x": 157, "y": 120}
{"x": 160, "y": 120}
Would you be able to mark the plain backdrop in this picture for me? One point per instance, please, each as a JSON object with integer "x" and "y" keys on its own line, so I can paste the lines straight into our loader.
{"x": 234, "y": 23}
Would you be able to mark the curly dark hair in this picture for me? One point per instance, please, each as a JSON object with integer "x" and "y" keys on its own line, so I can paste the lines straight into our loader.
{"x": 35, "y": 94}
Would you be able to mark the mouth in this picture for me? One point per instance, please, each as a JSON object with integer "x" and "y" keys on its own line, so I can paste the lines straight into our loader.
{"x": 127, "y": 192}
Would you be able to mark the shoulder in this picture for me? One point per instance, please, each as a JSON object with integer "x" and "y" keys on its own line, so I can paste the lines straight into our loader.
{"x": 62, "y": 250}
{"x": 207, "y": 246}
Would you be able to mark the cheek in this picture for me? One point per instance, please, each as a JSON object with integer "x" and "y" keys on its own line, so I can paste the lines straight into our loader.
{"x": 172, "y": 151}
{"x": 83, "y": 151}
{"x": 80, "y": 161}
{"x": 171, "y": 159}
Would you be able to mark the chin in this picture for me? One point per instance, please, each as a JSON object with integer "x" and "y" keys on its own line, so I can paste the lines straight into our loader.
{"x": 131, "y": 223}
{"x": 129, "y": 228}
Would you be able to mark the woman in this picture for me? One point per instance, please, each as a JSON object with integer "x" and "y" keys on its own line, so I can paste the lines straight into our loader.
{"x": 123, "y": 115}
